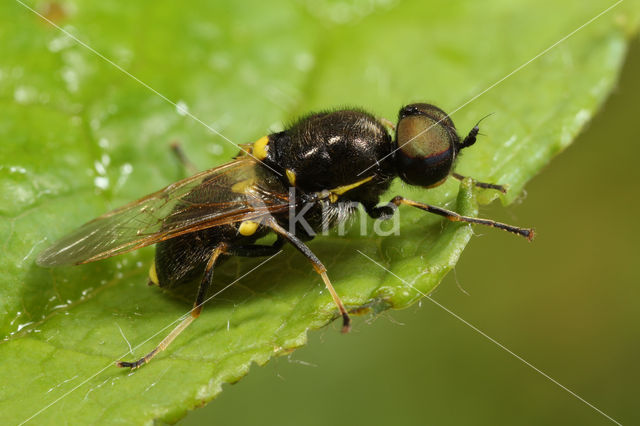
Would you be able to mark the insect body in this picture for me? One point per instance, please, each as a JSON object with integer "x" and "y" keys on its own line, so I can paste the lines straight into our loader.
{"x": 321, "y": 166}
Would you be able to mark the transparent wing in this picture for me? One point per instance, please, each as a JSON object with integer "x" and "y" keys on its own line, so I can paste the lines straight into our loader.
{"x": 236, "y": 191}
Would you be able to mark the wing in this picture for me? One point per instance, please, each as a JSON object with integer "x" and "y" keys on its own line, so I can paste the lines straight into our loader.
{"x": 236, "y": 191}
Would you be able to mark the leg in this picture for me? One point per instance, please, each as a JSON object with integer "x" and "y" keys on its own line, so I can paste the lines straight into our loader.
{"x": 256, "y": 250}
{"x": 501, "y": 188}
{"x": 182, "y": 157}
{"x": 383, "y": 212}
{"x": 195, "y": 312}
{"x": 387, "y": 123}
{"x": 318, "y": 266}
{"x": 455, "y": 217}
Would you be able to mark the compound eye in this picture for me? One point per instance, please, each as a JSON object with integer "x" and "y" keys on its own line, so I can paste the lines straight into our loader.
{"x": 420, "y": 136}
{"x": 425, "y": 150}
{"x": 429, "y": 110}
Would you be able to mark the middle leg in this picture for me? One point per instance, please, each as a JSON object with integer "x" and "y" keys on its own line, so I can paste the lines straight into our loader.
{"x": 318, "y": 266}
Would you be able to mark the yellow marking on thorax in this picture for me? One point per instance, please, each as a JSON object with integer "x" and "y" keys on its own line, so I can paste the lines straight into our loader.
{"x": 261, "y": 147}
{"x": 291, "y": 175}
{"x": 242, "y": 186}
{"x": 335, "y": 192}
{"x": 344, "y": 188}
{"x": 248, "y": 228}
{"x": 153, "y": 276}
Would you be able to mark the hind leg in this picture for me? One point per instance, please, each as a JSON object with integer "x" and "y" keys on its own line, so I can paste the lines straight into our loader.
{"x": 182, "y": 157}
{"x": 195, "y": 312}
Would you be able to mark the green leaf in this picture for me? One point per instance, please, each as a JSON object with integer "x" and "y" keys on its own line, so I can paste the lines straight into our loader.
{"x": 79, "y": 137}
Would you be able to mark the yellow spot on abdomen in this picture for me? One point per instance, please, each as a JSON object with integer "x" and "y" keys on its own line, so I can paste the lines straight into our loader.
{"x": 291, "y": 175}
{"x": 247, "y": 228}
{"x": 261, "y": 147}
{"x": 153, "y": 276}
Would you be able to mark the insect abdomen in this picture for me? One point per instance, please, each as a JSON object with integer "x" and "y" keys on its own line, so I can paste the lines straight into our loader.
{"x": 182, "y": 259}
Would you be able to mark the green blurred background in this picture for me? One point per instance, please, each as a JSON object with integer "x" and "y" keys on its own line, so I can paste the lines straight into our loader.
{"x": 568, "y": 303}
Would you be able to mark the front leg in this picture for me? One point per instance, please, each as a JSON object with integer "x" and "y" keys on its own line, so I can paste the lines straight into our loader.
{"x": 383, "y": 212}
{"x": 455, "y": 217}
{"x": 485, "y": 185}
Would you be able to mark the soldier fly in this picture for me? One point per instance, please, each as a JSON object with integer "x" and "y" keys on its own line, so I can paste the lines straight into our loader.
{"x": 333, "y": 160}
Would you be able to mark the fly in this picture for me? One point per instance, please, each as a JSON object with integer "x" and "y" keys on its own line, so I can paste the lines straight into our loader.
{"x": 325, "y": 163}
